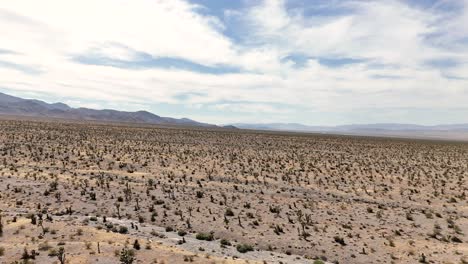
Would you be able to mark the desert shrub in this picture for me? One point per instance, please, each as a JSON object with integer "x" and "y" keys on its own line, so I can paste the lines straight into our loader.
{"x": 409, "y": 216}
{"x": 244, "y": 248}
{"x": 229, "y": 212}
{"x": 275, "y": 209}
{"x": 422, "y": 258}
{"x": 52, "y": 252}
{"x": 27, "y": 256}
{"x": 88, "y": 245}
{"x": 44, "y": 246}
{"x": 109, "y": 225}
{"x": 127, "y": 256}
{"x": 205, "y": 236}
{"x": 428, "y": 215}
{"x": 339, "y": 240}
{"x": 278, "y": 229}
{"x": 455, "y": 239}
{"x": 225, "y": 242}
{"x": 123, "y": 230}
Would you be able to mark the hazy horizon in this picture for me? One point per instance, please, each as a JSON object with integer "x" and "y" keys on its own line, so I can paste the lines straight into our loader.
{"x": 251, "y": 123}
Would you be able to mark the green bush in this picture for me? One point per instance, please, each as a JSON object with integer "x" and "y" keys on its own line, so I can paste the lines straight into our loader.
{"x": 225, "y": 242}
{"x": 205, "y": 236}
{"x": 127, "y": 256}
{"x": 123, "y": 230}
{"x": 243, "y": 248}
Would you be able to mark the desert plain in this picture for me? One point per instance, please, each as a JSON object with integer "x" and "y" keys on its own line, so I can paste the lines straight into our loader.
{"x": 77, "y": 192}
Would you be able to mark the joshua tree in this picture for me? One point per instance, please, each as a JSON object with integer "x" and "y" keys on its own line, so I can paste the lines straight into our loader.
{"x": 41, "y": 224}
{"x": 136, "y": 245}
{"x": 1, "y": 226}
{"x": 304, "y": 220}
{"x": 127, "y": 191}
{"x": 117, "y": 206}
{"x": 61, "y": 255}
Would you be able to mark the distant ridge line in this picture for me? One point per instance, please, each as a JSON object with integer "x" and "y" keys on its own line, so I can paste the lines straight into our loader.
{"x": 16, "y": 106}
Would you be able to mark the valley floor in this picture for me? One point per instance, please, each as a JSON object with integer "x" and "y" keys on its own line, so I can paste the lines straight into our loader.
{"x": 104, "y": 192}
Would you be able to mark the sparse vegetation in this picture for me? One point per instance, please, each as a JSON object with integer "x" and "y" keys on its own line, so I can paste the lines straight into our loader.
{"x": 317, "y": 197}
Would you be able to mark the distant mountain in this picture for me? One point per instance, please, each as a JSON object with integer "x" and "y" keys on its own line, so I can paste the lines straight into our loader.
{"x": 11, "y": 105}
{"x": 404, "y": 127}
{"x": 350, "y": 128}
{"x": 281, "y": 127}
{"x": 230, "y": 127}
{"x": 452, "y": 131}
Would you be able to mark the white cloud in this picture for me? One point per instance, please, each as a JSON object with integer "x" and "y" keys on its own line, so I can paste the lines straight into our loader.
{"x": 45, "y": 35}
{"x": 388, "y": 31}
{"x": 252, "y": 108}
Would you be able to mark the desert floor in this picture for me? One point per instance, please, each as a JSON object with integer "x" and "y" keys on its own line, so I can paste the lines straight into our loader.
{"x": 175, "y": 195}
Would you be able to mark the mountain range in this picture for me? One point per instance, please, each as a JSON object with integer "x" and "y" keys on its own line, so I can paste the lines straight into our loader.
{"x": 11, "y": 105}
{"x": 15, "y": 106}
{"x": 295, "y": 127}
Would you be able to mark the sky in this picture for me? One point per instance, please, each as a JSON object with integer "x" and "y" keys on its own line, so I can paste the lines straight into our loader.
{"x": 316, "y": 62}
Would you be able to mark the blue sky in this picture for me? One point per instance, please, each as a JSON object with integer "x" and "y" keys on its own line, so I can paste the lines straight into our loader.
{"x": 317, "y": 62}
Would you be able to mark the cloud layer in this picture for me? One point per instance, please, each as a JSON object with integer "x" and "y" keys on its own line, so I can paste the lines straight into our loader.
{"x": 327, "y": 62}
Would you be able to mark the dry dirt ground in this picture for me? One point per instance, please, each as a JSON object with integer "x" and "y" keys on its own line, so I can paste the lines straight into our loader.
{"x": 104, "y": 192}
